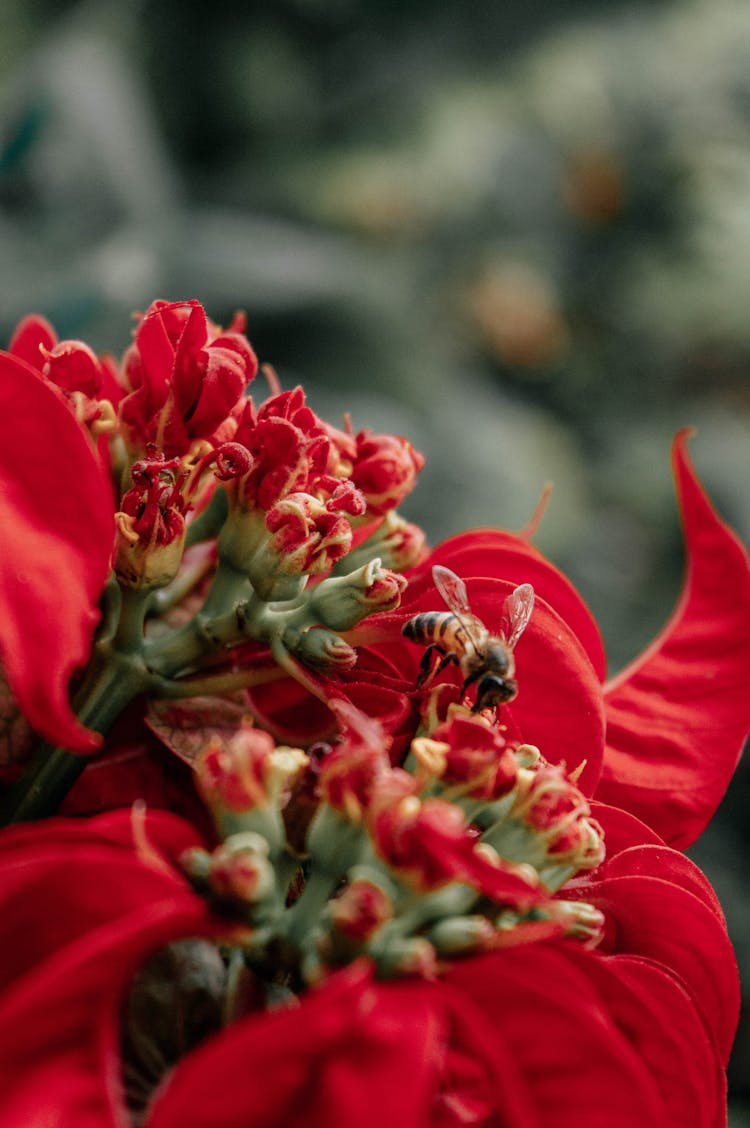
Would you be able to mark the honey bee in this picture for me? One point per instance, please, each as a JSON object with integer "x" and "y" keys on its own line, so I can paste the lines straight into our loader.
{"x": 462, "y": 638}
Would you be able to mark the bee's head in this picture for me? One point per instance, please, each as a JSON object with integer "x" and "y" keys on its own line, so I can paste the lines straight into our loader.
{"x": 494, "y": 690}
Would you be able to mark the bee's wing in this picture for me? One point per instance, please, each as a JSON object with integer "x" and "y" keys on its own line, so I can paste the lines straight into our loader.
{"x": 453, "y": 590}
{"x": 516, "y": 612}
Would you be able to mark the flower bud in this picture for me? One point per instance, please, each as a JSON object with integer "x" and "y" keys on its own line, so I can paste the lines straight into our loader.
{"x": 306, "y": 535}
{"x": 240, "y": 869}
{"x": 360, "y": 910}
{"x": 340, "y": 602}
{"x": 151, "y": 525}
{"x": 581, "y": 921}
{"x": 385, "y": 470}
{"x": 144, "y": 564}
{"x": 412, "y": 956}
{"x": 546, "y": 821}
{"x": 246, "y": 772}
{"x": 322, "y": 650}
{"x": 454, "y": 936}
{"x": 468, "y": 753}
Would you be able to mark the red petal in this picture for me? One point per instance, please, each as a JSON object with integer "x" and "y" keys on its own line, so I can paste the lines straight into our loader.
{"x": 56, "y": 516}
{"x": 157, "y": 352}
{"x": 664, "y": 922}
{"x": 658, "y": 1018}
{"x": 351, "y": 1053}
{"x": 678, "y": 716}
{"x": 80, "y": 909}
{"x": 621, "y": 829}
{"x": 669, "y": 865}
{"x": 578, "y": 1066}
{"x": 31, "y": 335}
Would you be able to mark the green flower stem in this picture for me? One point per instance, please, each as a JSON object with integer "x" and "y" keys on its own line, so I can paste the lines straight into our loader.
{"x": 214, "y": 627}
{"x": 128, "y": 639}
{"x": 302, "y": 919}
{"x": 53, "y": 771}
{"x": 164, "y": 599}
{"x": 213, "y": 684}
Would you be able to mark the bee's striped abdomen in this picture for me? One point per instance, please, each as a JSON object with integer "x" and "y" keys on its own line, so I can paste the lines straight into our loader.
{"x": 437, "y": 628}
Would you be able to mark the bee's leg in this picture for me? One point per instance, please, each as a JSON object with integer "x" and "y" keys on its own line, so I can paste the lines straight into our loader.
{"x": 472, "y": 678}
{"x": 446, "y": 661}
{"x": 425, "y": 666}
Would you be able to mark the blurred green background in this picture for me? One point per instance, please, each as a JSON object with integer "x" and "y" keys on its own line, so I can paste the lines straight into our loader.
{"x": 517, "y": 232}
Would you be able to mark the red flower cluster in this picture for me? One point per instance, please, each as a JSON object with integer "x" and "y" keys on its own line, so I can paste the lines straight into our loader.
{"x": 183, "y": 377}
{"x": 531, "y": 981}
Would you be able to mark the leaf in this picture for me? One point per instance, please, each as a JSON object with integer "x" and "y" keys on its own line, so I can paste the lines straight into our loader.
{"x": 187, "y": 726}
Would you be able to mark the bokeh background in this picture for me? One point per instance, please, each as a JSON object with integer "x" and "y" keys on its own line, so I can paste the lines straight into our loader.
{"x": 518, "y": 233}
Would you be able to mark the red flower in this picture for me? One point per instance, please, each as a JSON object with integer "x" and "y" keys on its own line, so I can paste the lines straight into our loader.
{"x": 543, "y": 1034}
{"x": 184, "y": 376}
{"x": 587, "y": 991}
{"x": 385, "y": 470}
{"x": 288, "y": 446}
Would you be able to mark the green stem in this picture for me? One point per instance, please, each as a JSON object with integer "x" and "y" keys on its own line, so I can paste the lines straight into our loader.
{"x": 302, "y": 918}
{"x": 53, "y": 771}
{"x": 213, "y": 627}
{"x": 213, "y": 684}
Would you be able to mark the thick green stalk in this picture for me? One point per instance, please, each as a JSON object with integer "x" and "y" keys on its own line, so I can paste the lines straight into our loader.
{"x": 53, "y": 771}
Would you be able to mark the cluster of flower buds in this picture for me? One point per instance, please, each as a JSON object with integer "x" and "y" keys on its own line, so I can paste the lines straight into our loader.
{"x": 280, "y": 496}
{"x": 461, "y": 851}
{"x": 330, "y": 855}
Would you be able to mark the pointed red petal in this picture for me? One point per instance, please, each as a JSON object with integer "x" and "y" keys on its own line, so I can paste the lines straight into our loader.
{"x": 678, "y": 716}
{"x": 56, "y": 516}
{"x": 659, "y": 1020}
{"x": 31, "y": 335}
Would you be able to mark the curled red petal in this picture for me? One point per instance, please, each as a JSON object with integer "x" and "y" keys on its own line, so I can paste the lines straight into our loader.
{"x": 678, "y": 716}
{"x": 75, "y": 945}
{"x": 579, "y": 1067}
{"x": 661, "y": 920}
{"x": 621, "y": 829}
{"x": 658, "y": 1018}
{"x": 56, "y": 516}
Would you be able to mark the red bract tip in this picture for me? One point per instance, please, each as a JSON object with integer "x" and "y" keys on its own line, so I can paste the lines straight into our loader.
{"x": 678, "y": 716}
{"x": 56, "y": 516}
